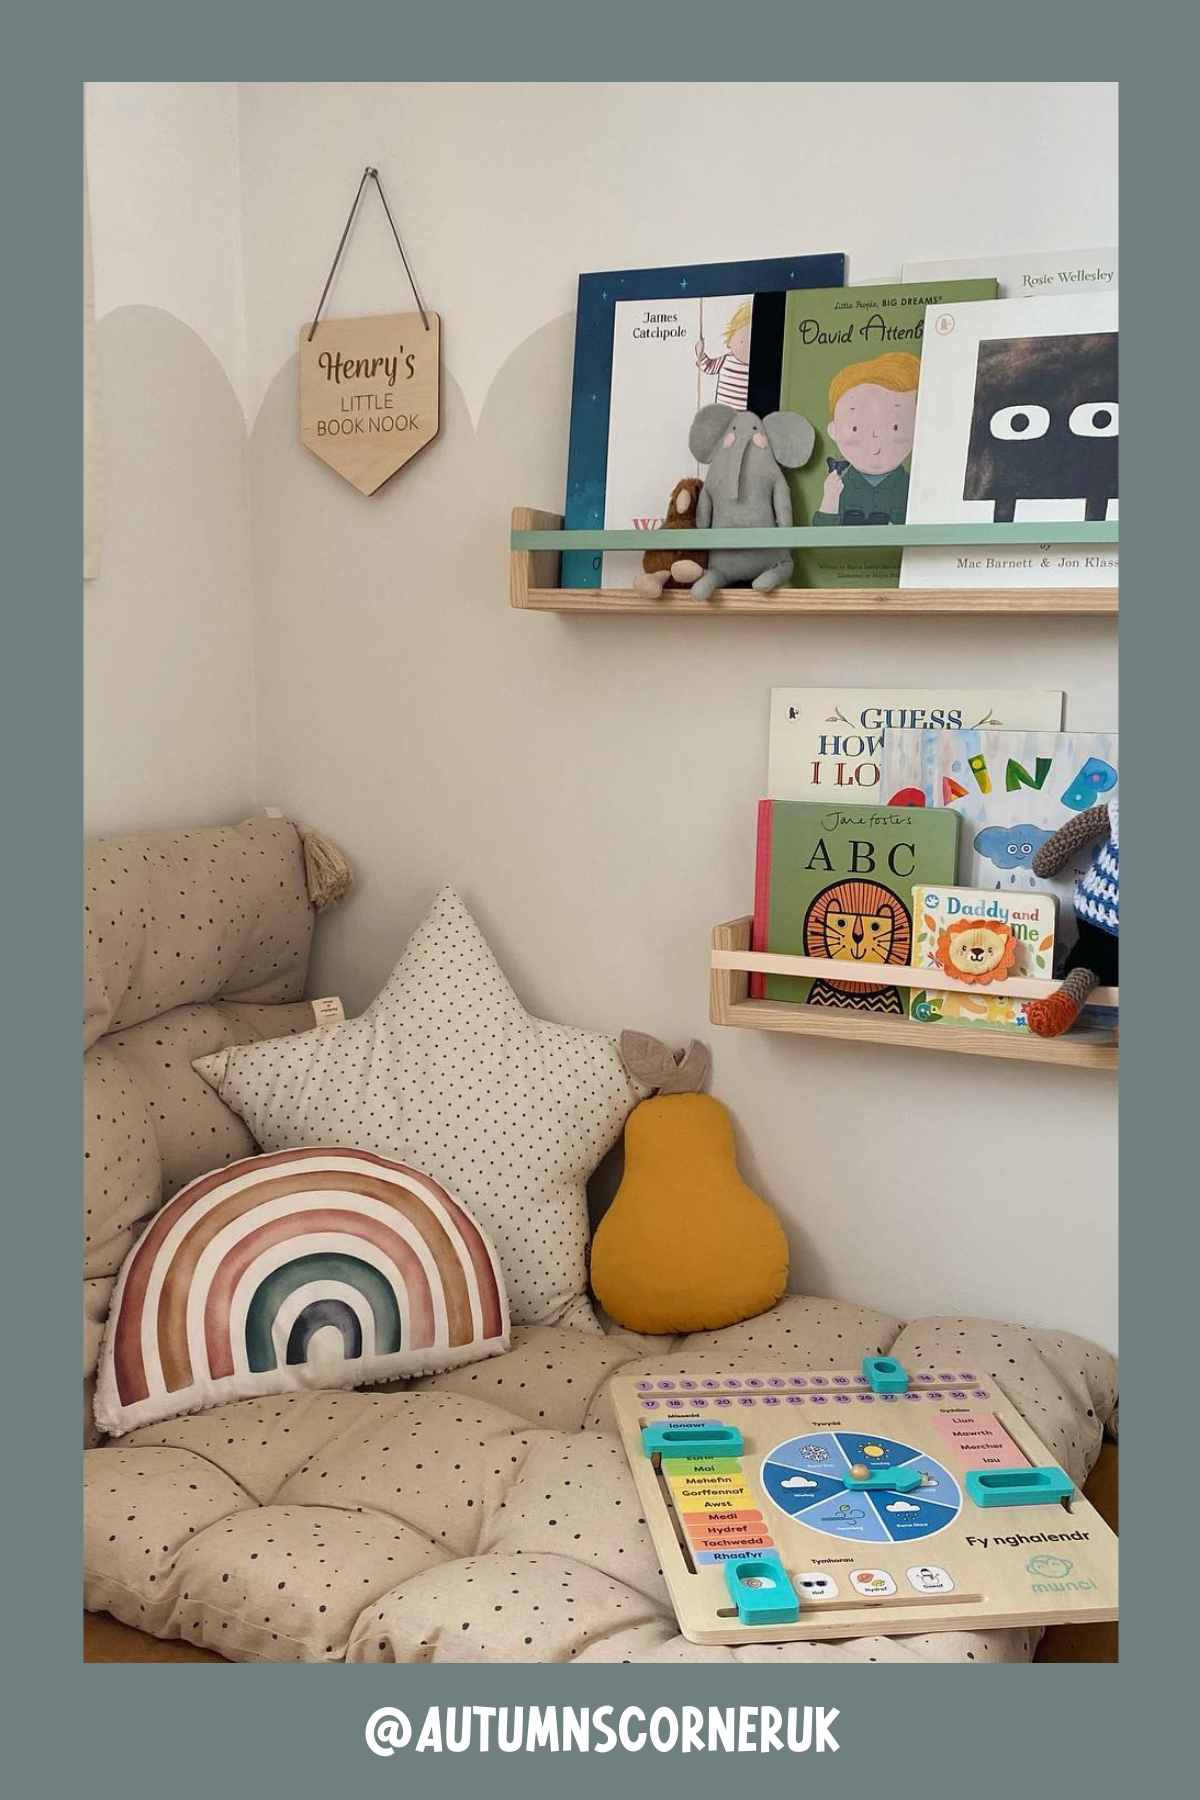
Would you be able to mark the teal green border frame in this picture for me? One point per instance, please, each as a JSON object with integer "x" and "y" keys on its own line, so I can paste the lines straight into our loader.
{"x": 144, "y": 1731}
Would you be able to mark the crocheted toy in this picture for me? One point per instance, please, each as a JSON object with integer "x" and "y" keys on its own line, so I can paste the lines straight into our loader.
{"x": 1092, "y": 960}
{"x": 674, "y": 568}
{"x": 745, "y": 485}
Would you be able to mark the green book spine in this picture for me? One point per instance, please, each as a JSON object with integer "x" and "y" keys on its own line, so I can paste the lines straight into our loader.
{"x": 851, "y": 365}
{"x": 836, "y": 881}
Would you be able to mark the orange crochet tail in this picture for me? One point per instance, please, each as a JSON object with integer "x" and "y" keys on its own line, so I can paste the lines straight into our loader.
{"x": 1050, "y": 1018}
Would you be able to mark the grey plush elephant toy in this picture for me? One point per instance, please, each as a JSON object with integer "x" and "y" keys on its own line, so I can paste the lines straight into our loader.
{"x": 745, "y": 485}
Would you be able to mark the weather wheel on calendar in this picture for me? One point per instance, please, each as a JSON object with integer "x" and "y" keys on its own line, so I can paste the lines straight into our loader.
{"x": 803, "y": 1478}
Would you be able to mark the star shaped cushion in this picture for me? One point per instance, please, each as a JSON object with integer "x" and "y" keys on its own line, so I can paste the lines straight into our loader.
{"x": 446, "y": 1071}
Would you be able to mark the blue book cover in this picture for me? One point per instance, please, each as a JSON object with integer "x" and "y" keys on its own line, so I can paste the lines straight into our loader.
{"x": 651, "y": 347}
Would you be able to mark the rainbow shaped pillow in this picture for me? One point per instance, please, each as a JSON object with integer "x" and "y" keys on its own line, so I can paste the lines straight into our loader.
{"x": 306, "y": 1269}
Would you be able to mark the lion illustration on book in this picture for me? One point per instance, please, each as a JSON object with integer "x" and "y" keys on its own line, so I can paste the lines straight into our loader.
{"x": 857, "y": 922}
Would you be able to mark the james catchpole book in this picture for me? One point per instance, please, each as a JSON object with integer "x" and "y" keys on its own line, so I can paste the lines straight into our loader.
{"x": 835, "y": 881}
{"x": 651, "y": 347}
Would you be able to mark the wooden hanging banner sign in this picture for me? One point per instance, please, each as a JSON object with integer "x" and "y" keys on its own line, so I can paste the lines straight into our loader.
{"x": 369, "y": 387}
{"x": 369, "y": 393}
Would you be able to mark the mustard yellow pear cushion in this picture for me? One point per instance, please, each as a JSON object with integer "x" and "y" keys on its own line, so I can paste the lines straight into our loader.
{"x": 685, "y": 1245}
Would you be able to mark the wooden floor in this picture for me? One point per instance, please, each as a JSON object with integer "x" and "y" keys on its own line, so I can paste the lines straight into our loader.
{"x": 1089, "y": 1643}
{"x": 105, "y": 1641}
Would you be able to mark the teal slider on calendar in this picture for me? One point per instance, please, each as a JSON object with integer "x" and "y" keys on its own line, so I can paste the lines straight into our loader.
{"x": 897, "y": 1481}
{"x": 762, "y": 1590}
{"x": 884, "y": 1375}
{"x": 1018, "y": 1487}
{"x": 696, "y": 1437}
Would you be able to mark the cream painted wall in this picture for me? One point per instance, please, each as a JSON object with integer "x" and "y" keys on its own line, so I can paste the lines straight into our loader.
{"x": 168, "y": 713}
{"x": 166, "y": 207}
{"x": 589, "y": 784}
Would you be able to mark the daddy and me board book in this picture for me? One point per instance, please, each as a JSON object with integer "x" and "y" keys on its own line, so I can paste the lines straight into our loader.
{"x": 1027, "y": 924}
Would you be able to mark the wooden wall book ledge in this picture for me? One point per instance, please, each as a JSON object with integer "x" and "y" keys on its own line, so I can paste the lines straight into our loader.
{"x": 729, "y": 1004}
{"x": 538, "y": 540}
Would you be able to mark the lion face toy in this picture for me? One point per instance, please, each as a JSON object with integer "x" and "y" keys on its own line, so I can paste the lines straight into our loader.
{"x": 977, "y": 950}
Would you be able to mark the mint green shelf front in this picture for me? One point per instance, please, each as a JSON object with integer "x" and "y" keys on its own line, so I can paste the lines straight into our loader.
{"x": 809, "y": 537}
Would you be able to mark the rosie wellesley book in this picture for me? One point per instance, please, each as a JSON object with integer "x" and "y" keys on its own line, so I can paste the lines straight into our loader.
{"x": 835, "y": 881}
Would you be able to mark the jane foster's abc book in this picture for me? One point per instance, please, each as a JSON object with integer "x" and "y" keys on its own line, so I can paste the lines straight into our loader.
{"x": 835, "y": 881}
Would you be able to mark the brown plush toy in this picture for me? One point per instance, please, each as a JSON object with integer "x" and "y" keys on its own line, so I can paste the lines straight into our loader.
{"x": 672, "y": 568}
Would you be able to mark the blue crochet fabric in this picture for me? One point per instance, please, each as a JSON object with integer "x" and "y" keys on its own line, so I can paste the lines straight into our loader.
{"x": 1097, "y": 892}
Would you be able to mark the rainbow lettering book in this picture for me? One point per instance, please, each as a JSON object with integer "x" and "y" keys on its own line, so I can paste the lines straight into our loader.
{"x": 851, "y": 364}
{"x": 836, "y": 881}
{"x": 651, "y": 347}
{"x": 1030, "y": 919}
{"x": 1012, "y": 790}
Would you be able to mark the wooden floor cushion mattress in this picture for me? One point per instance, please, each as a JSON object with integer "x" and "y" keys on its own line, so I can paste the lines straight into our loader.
{"x": 488, "y": 1515}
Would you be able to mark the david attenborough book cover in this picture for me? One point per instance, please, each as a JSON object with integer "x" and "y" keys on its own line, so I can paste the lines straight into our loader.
{"x": 835, "y": 881}
{"x": 1018, "y": 422}
{"x": 852, "y": 365}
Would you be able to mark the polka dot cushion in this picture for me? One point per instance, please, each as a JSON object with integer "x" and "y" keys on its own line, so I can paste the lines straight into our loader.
{"x": 446, "y": 1070}
{"x": 1065, "y": 1386}
{"x": 490, "y": 1522}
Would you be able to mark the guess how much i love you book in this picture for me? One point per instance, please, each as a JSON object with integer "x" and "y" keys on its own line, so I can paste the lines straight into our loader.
{"x": 835, "y": 881}
{"x": 828, "y": 742}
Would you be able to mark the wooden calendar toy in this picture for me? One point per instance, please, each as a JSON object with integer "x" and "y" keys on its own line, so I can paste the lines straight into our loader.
{"x": 858, "y": 1503}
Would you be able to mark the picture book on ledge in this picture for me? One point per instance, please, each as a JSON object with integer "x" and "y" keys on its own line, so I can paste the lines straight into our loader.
{"x": 651, "y": 347}
{"x": 1017, "y": 423}
{"x": 1029, "y": 276}
{"x": 835, "y": 881}
{"x": 982, "y": 937}
{"x": 851, "y": 366}
{"x": 827, "y": 743}
{"x": 1012, "y": 791}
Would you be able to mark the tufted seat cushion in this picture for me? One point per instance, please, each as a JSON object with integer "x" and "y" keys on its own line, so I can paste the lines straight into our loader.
{"x": 489, "y": 1515}
{"x": 193, "y": 940}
